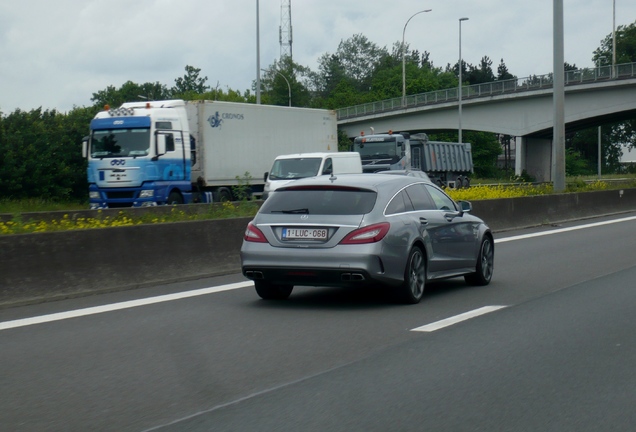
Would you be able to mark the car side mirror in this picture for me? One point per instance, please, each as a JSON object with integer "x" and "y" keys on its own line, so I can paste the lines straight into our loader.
{"x": 265, "y": 176}
{"x": 465, "y": 206}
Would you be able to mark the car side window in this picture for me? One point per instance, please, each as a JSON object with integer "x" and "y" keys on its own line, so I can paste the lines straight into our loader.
{"x": 398, "y": 204}
{"x": 420, "y": 199}
{"x": 442, "y": 201}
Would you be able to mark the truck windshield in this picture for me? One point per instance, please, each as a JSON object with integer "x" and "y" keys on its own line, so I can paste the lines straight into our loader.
{"x": 376, "y": 150}
{"x": 120, "y": 143}
{"x": 295, "y": 168}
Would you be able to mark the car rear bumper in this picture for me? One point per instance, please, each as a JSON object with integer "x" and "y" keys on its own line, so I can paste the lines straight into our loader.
{"x": 312, "y": 267}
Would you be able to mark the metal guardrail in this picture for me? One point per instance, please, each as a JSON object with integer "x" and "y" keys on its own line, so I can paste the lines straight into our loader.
{"x": 533, "y": 82}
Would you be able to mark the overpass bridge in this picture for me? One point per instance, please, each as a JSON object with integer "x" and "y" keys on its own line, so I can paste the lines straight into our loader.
{"x": 522, "y": 108}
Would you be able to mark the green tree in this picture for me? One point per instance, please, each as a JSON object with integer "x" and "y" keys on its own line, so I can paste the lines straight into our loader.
{"x": 569, "y": 67}
{"x": 623, "y": 132}
{"x": 576, "y": 165}
{"x": 130, "y": 92}
{"x": 190, "y": 83}
{"x": 281, "y": 79}
{"x": 502, "y": 72}
{"x": 331, "y": 74}
{"x": 356, "y": 59}
{"x": 343, "y": 95}
{"x": 625, "y": 46}
{"x": 229, "y": 95}
{"x": 617, "y": 134}
{"x": 42, "y": 157}
{"x": 480, "y": 74}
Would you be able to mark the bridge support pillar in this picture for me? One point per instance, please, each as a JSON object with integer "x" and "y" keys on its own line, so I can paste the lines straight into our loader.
{"x": 534, "y": 155}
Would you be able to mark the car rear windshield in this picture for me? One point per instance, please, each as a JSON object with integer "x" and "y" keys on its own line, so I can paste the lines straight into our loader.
{"x": 320, "y": 200}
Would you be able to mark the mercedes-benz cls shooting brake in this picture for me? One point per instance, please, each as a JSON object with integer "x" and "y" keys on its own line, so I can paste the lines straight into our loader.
{"x": 364, "y": 229}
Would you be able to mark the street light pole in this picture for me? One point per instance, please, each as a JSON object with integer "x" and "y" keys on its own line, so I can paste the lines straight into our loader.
{"x": 459, "y": 97}
{"x": 558, "y": 98}
{"x": 403, "y": 57}
{"x": 613, "y": 74}
{"x": 258, "y": 57}
{"x": 600, "y": 61}
{"x": 288, "y": 86}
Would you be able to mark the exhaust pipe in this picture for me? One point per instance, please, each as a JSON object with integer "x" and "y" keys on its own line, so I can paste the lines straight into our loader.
{"x": 351, "y": 277}
{"x": 254, "y": 274}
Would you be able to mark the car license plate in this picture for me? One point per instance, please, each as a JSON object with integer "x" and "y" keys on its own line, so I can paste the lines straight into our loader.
{"x": 305, "y": 233}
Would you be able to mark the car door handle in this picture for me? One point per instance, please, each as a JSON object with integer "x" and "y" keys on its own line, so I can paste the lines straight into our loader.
{"x": 423, "y": 221}
{"x": 450, "y": 216}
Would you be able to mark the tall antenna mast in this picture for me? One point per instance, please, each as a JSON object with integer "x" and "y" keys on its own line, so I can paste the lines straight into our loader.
{"x": 285, "y": 29}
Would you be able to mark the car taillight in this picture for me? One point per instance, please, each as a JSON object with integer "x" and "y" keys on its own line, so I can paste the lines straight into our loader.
{"x": 368, "y": 234}
{"x": 253, "y": 234}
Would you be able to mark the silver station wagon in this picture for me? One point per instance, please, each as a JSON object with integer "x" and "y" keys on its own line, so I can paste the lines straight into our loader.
{"x": 364, "y": 229}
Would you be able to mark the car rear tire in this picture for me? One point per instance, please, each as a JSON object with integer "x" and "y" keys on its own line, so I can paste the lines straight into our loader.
{"x": 485, "y": 264}
{"x": 412, "y": 290}
{"x": 269, "y": 291}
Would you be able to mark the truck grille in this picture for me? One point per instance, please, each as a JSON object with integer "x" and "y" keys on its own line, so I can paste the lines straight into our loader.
{"x": 121, "y": 195}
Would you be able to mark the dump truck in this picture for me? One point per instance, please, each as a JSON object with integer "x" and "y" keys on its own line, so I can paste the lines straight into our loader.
{"x": 446, "y": 163}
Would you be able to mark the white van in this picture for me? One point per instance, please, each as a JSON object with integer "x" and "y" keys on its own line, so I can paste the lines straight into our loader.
{"x": 291, "y": 167}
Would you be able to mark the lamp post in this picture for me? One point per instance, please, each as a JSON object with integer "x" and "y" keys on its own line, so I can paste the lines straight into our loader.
{"x": 459, "y": 97}
{"x": 403, "y": 57}
{"x": 288, "y": 86}
{"x": 258, "y": 57}
{"x": 613, "y": 74}
{"x": 601, "y": 60}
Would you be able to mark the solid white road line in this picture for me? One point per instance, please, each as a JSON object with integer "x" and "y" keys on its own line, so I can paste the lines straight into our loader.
{"x": 119, "y": 306}
{"x": 562, "y": 230}
{"x": 457, "y": 318}
{"x": 170, "y": 297}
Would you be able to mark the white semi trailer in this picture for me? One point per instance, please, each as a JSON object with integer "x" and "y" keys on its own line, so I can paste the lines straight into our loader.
{"x": 175, "y": 151}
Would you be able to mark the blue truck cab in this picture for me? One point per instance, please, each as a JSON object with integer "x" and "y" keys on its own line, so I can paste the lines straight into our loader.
{"x": 139, "y": 155}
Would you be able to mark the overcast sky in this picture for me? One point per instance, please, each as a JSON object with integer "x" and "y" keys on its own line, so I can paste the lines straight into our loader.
{"x": 55, "y": 54}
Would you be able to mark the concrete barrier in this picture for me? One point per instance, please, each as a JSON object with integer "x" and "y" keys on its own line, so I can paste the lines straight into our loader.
{"x": 48, "y": 266}
{"x": 515, "y": 213}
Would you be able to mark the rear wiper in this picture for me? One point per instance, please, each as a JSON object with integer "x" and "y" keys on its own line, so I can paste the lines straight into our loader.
{"x": 296, "y": 211}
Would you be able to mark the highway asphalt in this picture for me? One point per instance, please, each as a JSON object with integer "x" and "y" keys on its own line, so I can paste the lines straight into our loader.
{"x": 549, "y": 345}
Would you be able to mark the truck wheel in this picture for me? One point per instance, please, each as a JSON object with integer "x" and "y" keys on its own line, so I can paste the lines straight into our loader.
{"x": 175, "y": 198}
{"x": 225, "y": 194}
{"x": 459, "y": 182}
{"x": 466, "y": 182}
{"x": 269, "y": 291}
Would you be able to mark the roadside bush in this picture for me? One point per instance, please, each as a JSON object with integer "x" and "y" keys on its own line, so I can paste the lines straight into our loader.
{"x": 17, "y": 225}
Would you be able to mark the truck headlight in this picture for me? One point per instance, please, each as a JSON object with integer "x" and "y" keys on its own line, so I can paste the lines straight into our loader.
{"x": 147, "y": 193}
{"x": 94, "y": 195}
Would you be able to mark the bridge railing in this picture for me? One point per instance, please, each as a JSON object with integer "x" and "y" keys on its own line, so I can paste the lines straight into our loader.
{"x": 533, "y": 82}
